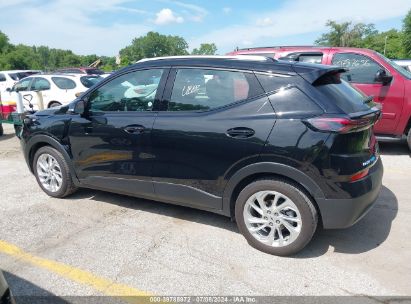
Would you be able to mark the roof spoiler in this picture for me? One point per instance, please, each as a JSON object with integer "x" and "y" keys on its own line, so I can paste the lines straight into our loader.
{"x": 312, "y": 72}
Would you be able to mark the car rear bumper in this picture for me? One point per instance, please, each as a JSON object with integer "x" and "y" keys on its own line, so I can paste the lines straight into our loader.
{"x": 343, "y": 213}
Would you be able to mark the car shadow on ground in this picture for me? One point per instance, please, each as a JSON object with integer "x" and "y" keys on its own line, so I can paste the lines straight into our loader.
{"x": 7, "y": 136}
{"x": 369, "y": 233}
{"x": 387, "y": 148}
{"x": 26, "y": 292}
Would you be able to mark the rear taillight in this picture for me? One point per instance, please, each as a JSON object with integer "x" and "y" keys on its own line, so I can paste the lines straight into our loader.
{"x": 359, "y": 175}
{"x": 338, "y": 124}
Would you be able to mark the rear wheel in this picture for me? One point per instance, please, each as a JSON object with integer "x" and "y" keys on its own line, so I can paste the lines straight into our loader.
{"x": 275, "y": 217}
{"x": 409, "y": 139}
{"x": 1, "y": 130}
{"x": 52, "y": 172}
{"x": 54, "y": 104}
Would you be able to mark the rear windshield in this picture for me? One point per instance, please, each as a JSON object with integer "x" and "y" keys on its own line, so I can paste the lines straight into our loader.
{"x": 346, "y": 97}
{"x": 64, "y": 83}
{"x": 94, "y": 72}
{"x": 89, "y": 81}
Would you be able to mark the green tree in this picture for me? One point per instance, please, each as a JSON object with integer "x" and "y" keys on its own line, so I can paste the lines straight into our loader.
{"x": 205, "y": 49}
{"x": 4, "y": 42}
{"x": 406, "y": 40}
{"x": 389, "y": 42}
{"x": 154, "y": 45}
{"x": 346, "y": 34}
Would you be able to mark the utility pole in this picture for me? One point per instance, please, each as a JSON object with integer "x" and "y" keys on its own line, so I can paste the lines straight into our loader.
{"x": 385, "y": 44}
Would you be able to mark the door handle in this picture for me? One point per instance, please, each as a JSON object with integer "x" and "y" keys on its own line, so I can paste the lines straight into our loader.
{"x": 240, "y": 132}
{"x": 137, "y": 129}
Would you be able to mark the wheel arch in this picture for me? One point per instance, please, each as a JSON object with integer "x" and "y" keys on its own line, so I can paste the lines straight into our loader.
{"x": 253, "y": 172}
{"x": 39, "y": 141}
{"x": 53, "y": 101}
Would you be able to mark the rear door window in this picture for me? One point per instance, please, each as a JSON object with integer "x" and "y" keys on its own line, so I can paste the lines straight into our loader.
{"x": 202, "y": 90}
{"x": 63, "y": 83}
{"x": 40, "y": 84}
{"x": 361, "y": 68}
{"x": 2, "y": 77}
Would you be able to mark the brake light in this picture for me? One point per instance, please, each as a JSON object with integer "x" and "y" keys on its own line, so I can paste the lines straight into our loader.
{"x": 359, "y": 175}
{"x": 338, "y": 124}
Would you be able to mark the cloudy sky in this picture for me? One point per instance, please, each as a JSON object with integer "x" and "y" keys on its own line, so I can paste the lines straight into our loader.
{"x": 103, "y": 27}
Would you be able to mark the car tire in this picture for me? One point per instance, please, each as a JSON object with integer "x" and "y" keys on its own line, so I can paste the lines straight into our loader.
{"x": 52, "y": 172}
{"x": 1, "y": 130}
{"x": 293, "y": 209}
{"x": 54, "y": 104}
{"x": 409, "y": 139}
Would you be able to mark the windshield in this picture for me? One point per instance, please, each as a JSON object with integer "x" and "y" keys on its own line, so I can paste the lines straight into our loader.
{"x": 398, "y": 68}
{"x": 89, "y": 81}
{"x": 18, "y": 76}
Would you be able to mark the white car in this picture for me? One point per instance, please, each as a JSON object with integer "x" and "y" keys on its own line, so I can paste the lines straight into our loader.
{"x": 404, "y": 63}
{"x": 9, "y": 78}
{"x": 55, "y": 89}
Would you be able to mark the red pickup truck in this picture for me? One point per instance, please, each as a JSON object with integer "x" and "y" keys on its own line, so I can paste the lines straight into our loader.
{"x": 369, "y": 71}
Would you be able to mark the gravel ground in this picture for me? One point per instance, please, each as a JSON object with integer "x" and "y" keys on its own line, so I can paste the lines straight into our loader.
{"x": 169, "y": 250}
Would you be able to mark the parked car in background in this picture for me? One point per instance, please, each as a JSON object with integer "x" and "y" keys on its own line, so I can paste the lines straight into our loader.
{"x": 56, "y": 89}
{"x": 280, "y": 147}
{"x": 81, "y": 70}
{"x": 370, "y": 72}
{"x": 405, "y": 63}
{"x": 9, "y": 78}
{"x": 5, "y": 294}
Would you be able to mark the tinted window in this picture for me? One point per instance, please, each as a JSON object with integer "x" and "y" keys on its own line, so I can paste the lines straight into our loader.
{"x": 89, "y": 81}
{"x": 134, "y": 91}
{"x": 304, "y": 57}
{"x": 310, "y": 58}
{"x": 292, "y": 100}
{"x": 362, "y": 69}
{"x": 273, "y": 82}
{"x": 2, "y": 77}
{"x": 22, "y": 85}
{"x": 18, "y": 76}
{"x": 201, "y": 90}
{"x": 64, "y": 83}
{"x": 40, "y": 84}
{"x": 347, "y": 98}
{"x": 94, "y": 72}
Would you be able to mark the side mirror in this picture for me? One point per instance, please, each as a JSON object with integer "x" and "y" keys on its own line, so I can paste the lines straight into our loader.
{"x": 79, "y": 107}
{"x": 383, "y": 77}
{"x": 8, "y": 90}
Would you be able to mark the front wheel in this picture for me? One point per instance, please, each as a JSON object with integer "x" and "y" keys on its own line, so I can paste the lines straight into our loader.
{"x": 409, "y": 139}
{"x": 1, "y": 130}
{"x": 275, "y": 216}
{"x": 52, "y": 172}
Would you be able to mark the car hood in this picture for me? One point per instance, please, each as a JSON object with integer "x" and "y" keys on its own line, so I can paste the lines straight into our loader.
{"x": 52, "y": 111}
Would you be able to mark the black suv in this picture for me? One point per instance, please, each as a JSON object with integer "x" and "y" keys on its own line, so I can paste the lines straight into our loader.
{"x": 278, "y": 146}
